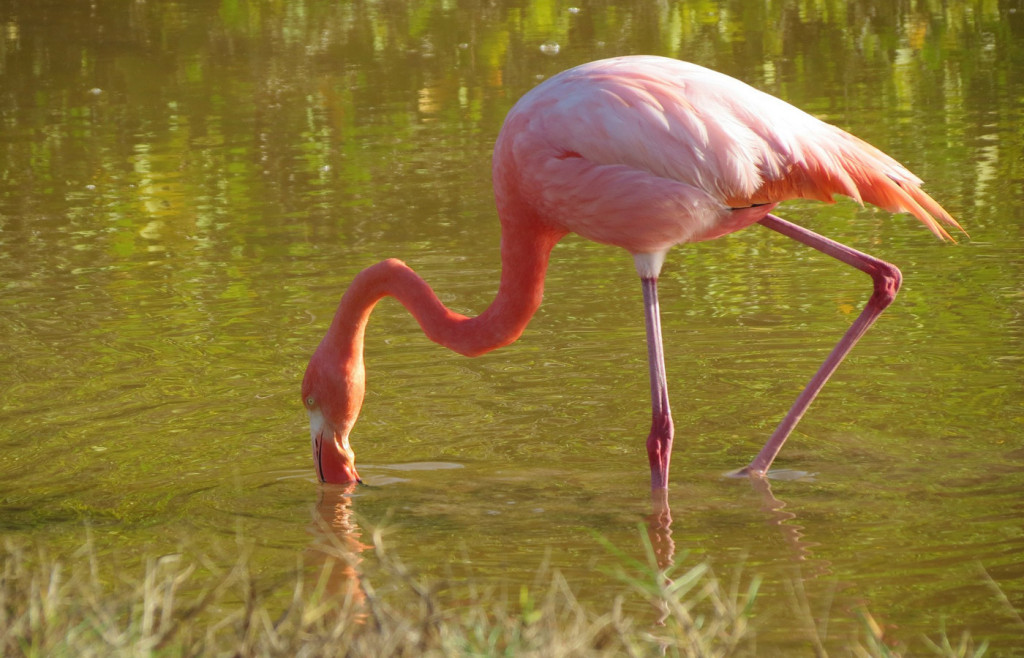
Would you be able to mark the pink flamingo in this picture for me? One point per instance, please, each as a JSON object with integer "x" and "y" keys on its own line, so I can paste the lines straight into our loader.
{"x": 643, "y": 153}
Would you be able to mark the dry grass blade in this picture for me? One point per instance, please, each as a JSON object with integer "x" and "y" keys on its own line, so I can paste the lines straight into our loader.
{"x": 194, "y": 608}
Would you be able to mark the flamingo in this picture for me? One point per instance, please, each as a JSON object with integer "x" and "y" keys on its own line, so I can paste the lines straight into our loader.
{"x": 644, "y": 153}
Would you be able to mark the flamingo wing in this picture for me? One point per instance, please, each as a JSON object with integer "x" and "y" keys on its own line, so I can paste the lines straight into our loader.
{"x": 647, "y": 152}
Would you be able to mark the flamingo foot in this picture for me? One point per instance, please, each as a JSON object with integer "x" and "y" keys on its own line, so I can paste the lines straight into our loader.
{"x": 779, "y": 474}
{"x": 746, "y": 471}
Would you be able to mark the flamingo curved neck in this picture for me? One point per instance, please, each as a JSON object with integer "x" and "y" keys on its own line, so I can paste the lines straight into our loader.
{"x": 524, "y": 261}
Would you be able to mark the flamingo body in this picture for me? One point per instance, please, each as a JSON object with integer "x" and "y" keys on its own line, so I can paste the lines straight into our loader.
{"x": 646, "y": 153}
{"x": 643, "y": 153}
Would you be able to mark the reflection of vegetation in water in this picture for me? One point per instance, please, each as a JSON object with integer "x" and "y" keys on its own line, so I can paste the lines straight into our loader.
{"x": 211, "y": 120}
{"x": 249, "y": 87}
{"x": 209, "y": 130}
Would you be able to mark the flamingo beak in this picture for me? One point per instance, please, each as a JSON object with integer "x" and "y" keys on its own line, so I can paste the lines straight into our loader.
{"x": 335, "y": 461}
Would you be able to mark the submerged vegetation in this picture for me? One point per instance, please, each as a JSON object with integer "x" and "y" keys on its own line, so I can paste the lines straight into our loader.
{"x": 191, "y": 608}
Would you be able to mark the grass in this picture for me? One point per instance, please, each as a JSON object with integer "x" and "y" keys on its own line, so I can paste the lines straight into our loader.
{"x": 183, "y": 608}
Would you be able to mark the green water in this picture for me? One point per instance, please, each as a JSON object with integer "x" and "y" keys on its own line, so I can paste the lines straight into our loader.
{"x": 187, "y": 187}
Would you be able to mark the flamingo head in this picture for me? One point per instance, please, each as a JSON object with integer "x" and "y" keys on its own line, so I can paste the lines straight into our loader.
{"x": 333, "y": 394}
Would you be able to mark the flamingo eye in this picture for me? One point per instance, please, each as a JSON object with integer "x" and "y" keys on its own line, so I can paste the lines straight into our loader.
{"x": 310, "y": 402}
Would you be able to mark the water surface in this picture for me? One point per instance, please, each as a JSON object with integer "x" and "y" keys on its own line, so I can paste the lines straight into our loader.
{"x": 186, "y": 188}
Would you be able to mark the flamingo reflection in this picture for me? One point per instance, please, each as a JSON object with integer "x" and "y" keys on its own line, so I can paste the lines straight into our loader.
{"x": 813, "y": 612}
{"x": 659, "y": 529}
{"x": 659, "y": 525}
{"x": 784, "y": 520}
{"x": 338, "y": 543}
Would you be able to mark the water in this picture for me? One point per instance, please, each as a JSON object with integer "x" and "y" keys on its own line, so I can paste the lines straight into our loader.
{"x": 186, "y": 188}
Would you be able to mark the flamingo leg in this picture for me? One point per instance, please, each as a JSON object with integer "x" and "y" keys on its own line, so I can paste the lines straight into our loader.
{"x": 886, "y": 279}
{"x": 659, "y": 442}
